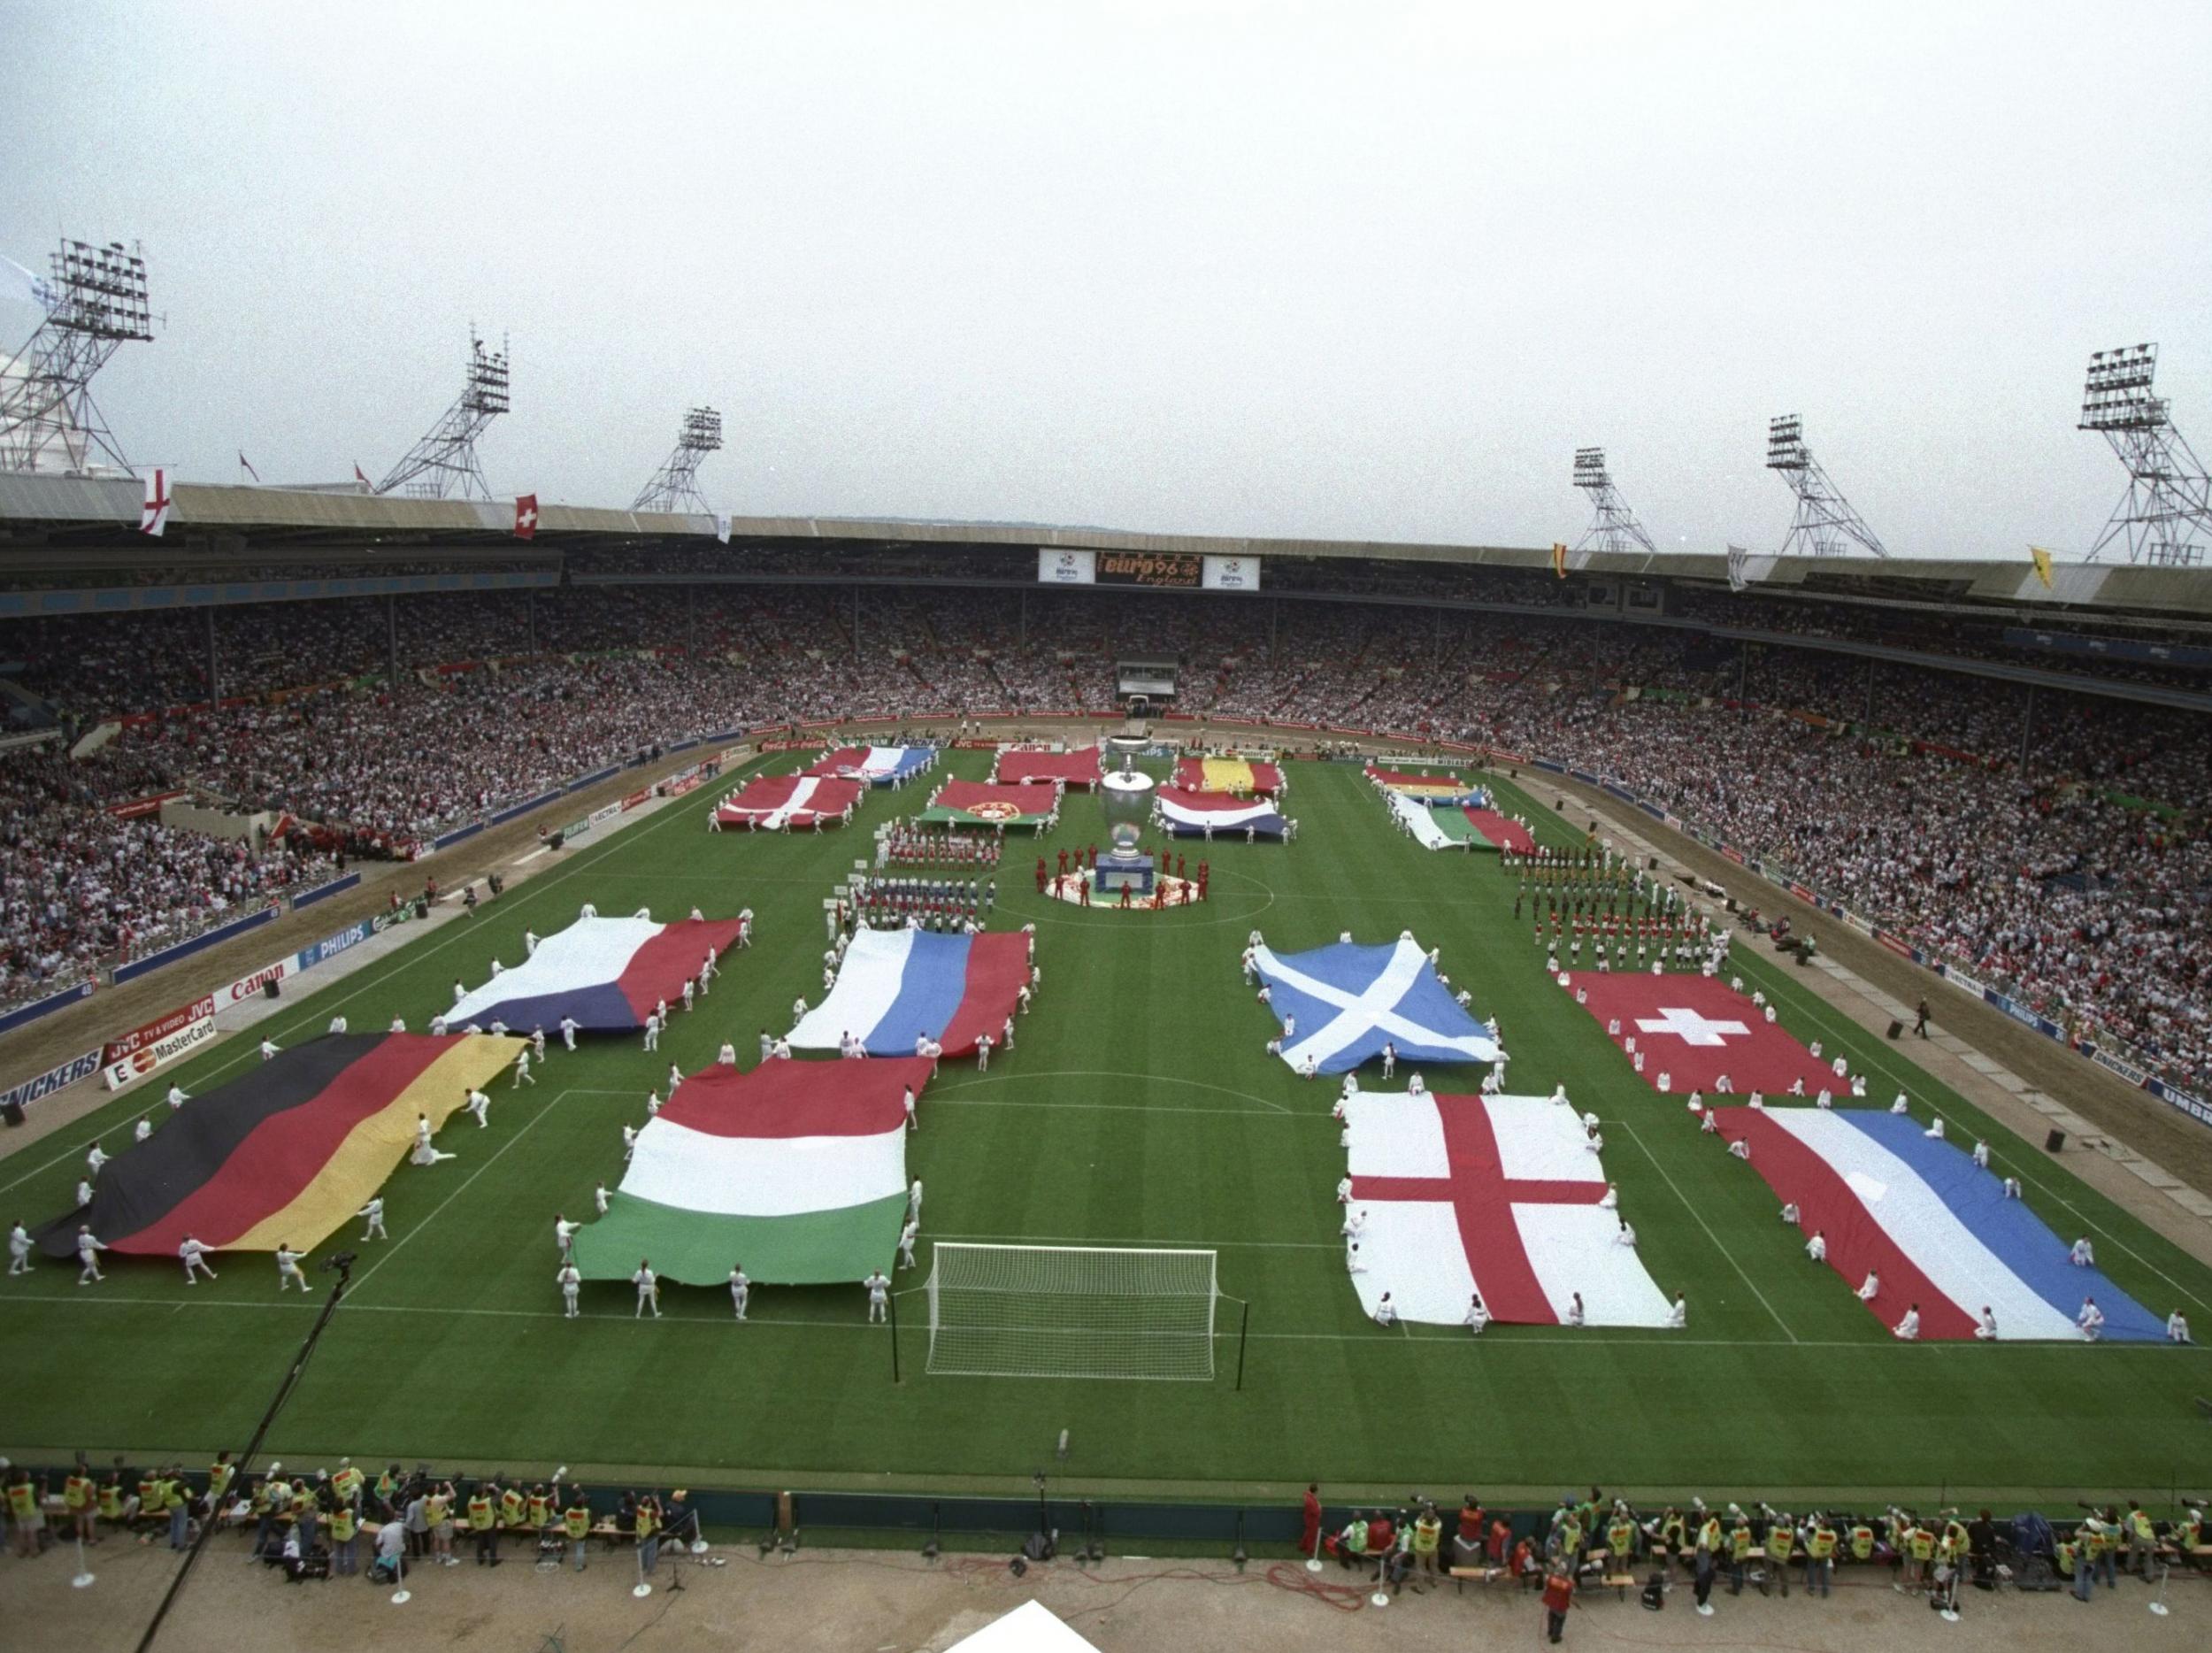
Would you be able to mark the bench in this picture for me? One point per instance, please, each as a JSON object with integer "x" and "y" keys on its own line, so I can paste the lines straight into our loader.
{"x": 1464, "y": 1576}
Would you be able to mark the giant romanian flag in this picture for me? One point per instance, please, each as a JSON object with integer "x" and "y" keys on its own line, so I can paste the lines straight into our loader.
{"x": 795, "y": 1170}
{"x": 606, "y": 974}
{"x": 1435, "y": 788}
{"x": 1228, "y": 774}
{"x": 978, "y": 804}
{"x": 287, "y": 1154}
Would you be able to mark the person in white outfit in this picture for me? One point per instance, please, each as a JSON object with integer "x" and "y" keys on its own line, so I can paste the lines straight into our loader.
{"x": 652, "y": 1030}
{"x": 88, "y": 1247}
{"x": 1870, "y": 1287}
{"x": 569, "y": 1280}
{"x": 727, "y": 1054}
{"x": 479, "y": 1106}
{"x": 96, "y": 1159}
{"x": 1981, "y": 1154}
{"x": 2084, "y": 1255}
{"x": 907, "y": 1236}
{"x": 564, "y": 1235}
{"x": 1353, "y": 1265}
{"x": 2091, "y": 1320}
{"x": 914, "y": 1201}
{"x": 459, "y": 991}
{"x": 1907, "y": 1330}
{"x": 143, "y": 1129}
{"x": 288, "y": 1262}
{"x": 648, "y": 1290}
{"x": 337, "y": 1024}
{"x": 1986, "y": 1331}
{"x": 629, "y": 1140}
{"x": 2177, "y": 1327}
{"x": 522, "y": 1070}
{"x": 1389, "y": 1058}
{"x": 18, "y": 1250}
{"x": 194, "y": 1255}
{"x": 599, "y": 1198}
{"x": 1478, "y": 1315}
{"x": 1627, "y": 1234}
{"x": 178, "y": 1097}
{"x": 1817, "y": 1248}
{"x": 1678, "y": 1316}
{"x": 374, "y": 1211}
{"x": 570, "y": 1028}
{"x": 878, "y": 1285}
{"x": 1575, "y": 1315}
{"x": 1386, "y": 1310}
{"x": 740, "y": 1290}
{"x": 912, "y": 1124}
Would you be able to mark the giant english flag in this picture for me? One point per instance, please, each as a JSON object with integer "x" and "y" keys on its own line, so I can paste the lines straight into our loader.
{"x": 1436, "y": 788}
{"x": 1935, "y": 1227}
{"x": 778, "y": 802}
{"x": 1020, "y": 763}
{"x": 286, "y": 1153}
{"x": 1189, "y": 814}
{"x": 605, "y": 974}
{"x": 878, "y": 766}
{"x": 1498, "y": 1194}
{"x": 1228, "y": 774}
{"x": 896, "y": 986}
{"x": 795, "y": 1170}
{"x": 1349, "y": 1000}
{"x": 980, "y": 804}
{"x": 1695, "y": 1028}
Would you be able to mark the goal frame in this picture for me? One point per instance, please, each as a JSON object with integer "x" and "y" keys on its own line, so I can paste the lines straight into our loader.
{"x": 1214, "y": 1296}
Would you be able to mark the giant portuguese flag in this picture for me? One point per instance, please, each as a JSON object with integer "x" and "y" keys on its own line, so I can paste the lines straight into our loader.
{"x": 980, "y": 804}
{"x": 285, "y": 1154}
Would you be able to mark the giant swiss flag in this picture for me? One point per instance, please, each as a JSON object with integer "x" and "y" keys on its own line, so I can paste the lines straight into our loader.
{"x": 1696, "y": 1028}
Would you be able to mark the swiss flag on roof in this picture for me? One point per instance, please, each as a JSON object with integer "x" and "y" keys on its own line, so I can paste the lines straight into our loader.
{"x": 1696, "y": 1028}
{"x": 525, "y": 515}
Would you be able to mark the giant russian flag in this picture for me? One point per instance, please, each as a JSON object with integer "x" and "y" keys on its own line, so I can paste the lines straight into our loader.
{"x": 605, "y": 974}
{"x": 878, "y": 766}
{"x": 1934, "y": 1226}
{"x": 795, "y": 1170}
{"x": 777, "y": 803}
{"x": 1020, "y": 763}
{"x": 1498, "y": 1194}
{"x": 1228, "y": 774}
{"x": 896, "y": 986}
{"x": 1349, "y": 1000}
{"x": 1696, "y": 1028}
{"x": 1191, "y": 814}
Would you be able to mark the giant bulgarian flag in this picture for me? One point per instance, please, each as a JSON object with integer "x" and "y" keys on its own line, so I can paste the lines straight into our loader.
{"x": 286, "y": 1153}
{"x": 778, "y": 802}
{"x": 1499, "y": 832}
{"x": 1189, "y": 814}
{"x": 1695, "y": 1028}
{"x": 1498, "y": 1194}
{"x": 980, "y": 803}
{"x": 1019, "y": 763}
{"x": 1349, "y": 1000}
{"x": 795, "y": 1170}
{"x": 1435, "y": 788}
{"x": 605, "y": 973}
{"x": 1934, "y": 1226}
{"x": 896, "y": 986}
{"x": 878, "y": 766}
{"x": 1228, "y": 774}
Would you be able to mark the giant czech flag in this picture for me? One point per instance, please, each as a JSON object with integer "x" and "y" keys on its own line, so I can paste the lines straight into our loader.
{"x": 878, "y": 766}
{"x": 896, "y": 986}
{"x": 1696, "y": 1028}
{"x": 606, "y": 974}
{"x": 1350, "y": 1001}
{"x": 1492, "y": 1194}
{"x": 1190, "y": 814}
{"x": 1936, "y": 1227}
{"x": 780, "y": 802}
{"x": 794, "y": 1170}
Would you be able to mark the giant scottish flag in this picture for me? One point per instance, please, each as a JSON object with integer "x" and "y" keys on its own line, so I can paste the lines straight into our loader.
{"x": 896, "y": 986}
{"x": 606, "y": 974}
{"x": 1936, "y": 1227}
{"x": 1348, "y": 1001}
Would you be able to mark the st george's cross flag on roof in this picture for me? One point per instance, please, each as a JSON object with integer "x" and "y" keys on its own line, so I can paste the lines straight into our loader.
{"x": 982, "y": 804}
{"x": 878, "y": 766}
{"x": 788, "y": 802}
{"x": 1434, "y": 786}
{"x": 605, "y": 974}
{"x": 1501, "y": 1195}
{"x": 1935, "y": 1228}
{"x": 897, "y": 986}
{"x": 1695, "y": 1028}
{"x": 1018, "y": 764}
{"x": 1348, "y": 1001}
{"x": 1228, "y": 774}
{"x": 1193, "y": 814}
{"x": 794, "y": 1170}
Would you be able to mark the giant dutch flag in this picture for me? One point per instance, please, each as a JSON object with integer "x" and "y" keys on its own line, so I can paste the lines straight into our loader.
{"x": 878, "y": 766}
{"x": 795, "y": 1170}
{"x": 606, "y": 974}
{"x": 1191, "y": 814}
{"x": 1348, "y": 1001}
{"x": 1500, "y": 1194}
{"x": 896, "y": 986}
{"x": 1935, "y": 1227}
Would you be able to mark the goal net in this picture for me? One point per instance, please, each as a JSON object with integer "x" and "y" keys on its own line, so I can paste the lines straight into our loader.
{"x": 1070, "y": 1311}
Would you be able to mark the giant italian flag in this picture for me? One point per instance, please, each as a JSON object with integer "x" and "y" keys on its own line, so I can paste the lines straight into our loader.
{"x": 796, "y": 1170}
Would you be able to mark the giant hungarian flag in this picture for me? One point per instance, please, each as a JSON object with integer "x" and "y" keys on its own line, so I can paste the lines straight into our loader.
{"x": 1228, "y": 774}
{"x": 606, "y": 974}
{"x": 896, "y": 986}
{"x": 1695, "y": 1028}
{"x": 1019, "y": 763}
{"x": 778, "y": 802}
{"x": 980, "y": 803}
{"x": 1498, "y": 1194}
{"x": 796, "y": 1170}
{"x": 1348, "y": 1001}
{"x": 1936, "y": 1227}
{"x": 286, "y": 1153}
{"x": 1194, "y": 814}
{"x": 1438, "y": 789}
{"x": 878, "y": 766}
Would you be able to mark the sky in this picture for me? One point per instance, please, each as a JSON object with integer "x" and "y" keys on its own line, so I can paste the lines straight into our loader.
{"x": 1368, "y": 271}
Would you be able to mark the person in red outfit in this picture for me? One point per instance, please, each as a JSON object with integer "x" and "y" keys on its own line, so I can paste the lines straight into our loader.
{"x": 1310, "y": 1534}
{"x": 1559, "y": 1596}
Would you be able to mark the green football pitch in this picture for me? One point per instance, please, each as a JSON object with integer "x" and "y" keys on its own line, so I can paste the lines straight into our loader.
{"x": 1138, "y": 1109}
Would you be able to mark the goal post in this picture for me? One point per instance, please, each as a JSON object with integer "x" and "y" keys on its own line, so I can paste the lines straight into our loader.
{"x": 1071, "y": 1312}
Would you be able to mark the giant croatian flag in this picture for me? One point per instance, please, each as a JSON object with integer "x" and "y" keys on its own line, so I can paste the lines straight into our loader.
{"x": 1188, "y": 814}
{"x": 1493, "y": 1194}
{"x": 896, "y": 985}
{"x": 1695, "y": 1028}
{"x": 1350, "y": 1001}
{"x": 606, "y": 973}
{"x": 878, "y": 766}
{"x": 1936, "y": 1227}
{"x": 778, "y": 802}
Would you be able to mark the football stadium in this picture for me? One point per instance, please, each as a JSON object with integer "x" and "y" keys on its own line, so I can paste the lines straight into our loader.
{"x": 1055, "y": 1057}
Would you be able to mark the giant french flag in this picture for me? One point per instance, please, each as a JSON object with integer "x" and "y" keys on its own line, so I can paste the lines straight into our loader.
{"x": 896, "y": 986}
{"x": 786, "y": 803}
{"x": 1500, "y": 1194}
{"x": 607, "y": 975}
{"x": 1934, "y": 1226}
{"x": 1189, "y": 814}
{"x": 878, "y": 766}
{"x": 1349, "y": 1000}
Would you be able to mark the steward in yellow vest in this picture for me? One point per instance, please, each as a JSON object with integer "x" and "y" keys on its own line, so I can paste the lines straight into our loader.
{"x": 576, "y": 1524}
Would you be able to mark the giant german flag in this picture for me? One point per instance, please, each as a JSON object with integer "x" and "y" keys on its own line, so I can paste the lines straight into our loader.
{"x": 287, "y": 1153}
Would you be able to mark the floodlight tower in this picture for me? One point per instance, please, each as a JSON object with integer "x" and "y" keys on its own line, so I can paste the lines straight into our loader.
{"x": 2168, "y": 502}
{"x": 1824, "y": 518}
{"x": 675, "y": 486}
{"x": 445, "y": 460}
{"x": 96, "y": 304}
{"x": 1615, "y": 527}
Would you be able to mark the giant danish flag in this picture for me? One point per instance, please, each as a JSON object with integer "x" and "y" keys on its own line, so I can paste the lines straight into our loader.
{"x": 1695, "y": 1028}
{"x": 525, "y": 515}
